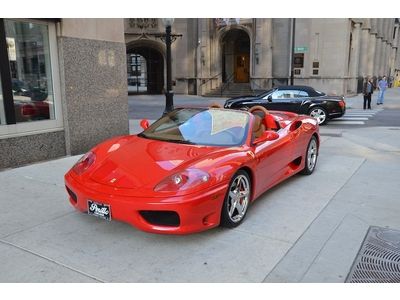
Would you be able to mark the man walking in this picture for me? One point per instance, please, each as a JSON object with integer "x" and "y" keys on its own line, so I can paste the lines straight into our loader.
{"x": 368, "y": 89}
{"x": 382, "y": 86}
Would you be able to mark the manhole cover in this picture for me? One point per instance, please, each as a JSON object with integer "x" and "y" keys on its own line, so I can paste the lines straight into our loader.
{"x": 378, "y": 259}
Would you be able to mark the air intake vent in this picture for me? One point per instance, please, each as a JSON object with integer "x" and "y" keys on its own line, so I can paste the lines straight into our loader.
{"x": 72, "y": 194}
{"x": 378, "y": 260}
{"x": 161, "y": 218}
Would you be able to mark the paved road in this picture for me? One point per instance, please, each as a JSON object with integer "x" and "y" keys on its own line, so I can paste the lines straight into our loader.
{"x": 307, "y": 229}
{"x": 152, "y": 107}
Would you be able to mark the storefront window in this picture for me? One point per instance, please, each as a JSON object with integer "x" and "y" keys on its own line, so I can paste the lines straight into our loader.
{"x": 29, "y": 57}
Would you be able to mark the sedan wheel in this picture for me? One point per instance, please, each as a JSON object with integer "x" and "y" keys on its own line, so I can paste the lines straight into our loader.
{"x": 236, "y": 200}
{"x": 311, "y": 157}
{"x": 320, "y": 114}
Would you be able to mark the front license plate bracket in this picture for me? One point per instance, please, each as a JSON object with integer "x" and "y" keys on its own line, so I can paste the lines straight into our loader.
{"x": 99, "y": 210}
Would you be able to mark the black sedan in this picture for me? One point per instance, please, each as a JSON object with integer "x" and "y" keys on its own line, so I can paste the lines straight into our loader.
{"x": 295, "y": 98}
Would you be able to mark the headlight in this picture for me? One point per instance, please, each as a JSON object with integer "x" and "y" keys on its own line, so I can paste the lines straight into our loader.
{"x": 188, "y": 179}
{"x": 84, "y": 163}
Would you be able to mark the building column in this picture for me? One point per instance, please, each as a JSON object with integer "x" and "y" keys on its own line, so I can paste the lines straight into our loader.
{"x": 371, "y": 54}
{"x": 263, "y": 54}
{"x": 363, "y": 65}
{"x": 387, "y": 59}
{"x": 93, "y": 74}
{"x": 203, "y": 57}
{"x": 355, "y": 57}
{"x": 394, "y": 49}
{"x": 378, "y": 55}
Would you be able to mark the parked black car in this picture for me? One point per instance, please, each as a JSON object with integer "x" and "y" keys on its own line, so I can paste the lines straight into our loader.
{"x": 294, "y": 98}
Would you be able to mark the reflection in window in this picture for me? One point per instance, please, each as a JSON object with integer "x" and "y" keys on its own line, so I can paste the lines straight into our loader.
{"x": 29, "y": 55}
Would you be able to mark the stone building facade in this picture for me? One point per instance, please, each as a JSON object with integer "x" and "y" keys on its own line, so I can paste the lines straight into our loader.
{"x": 332, "y": 55}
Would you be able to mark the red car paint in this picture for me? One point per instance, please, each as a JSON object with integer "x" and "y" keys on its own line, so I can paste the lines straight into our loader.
{"x": 125, "y": 171}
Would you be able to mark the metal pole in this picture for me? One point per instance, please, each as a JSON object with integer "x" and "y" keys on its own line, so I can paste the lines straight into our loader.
{"x": 136, "y": 71}
{"x": 292, "y": 54}
{"x": 169, "y": 101}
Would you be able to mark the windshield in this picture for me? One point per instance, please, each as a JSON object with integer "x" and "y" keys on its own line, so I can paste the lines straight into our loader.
{"x": 201, "y": 126}
{"x": 265, "y": 93}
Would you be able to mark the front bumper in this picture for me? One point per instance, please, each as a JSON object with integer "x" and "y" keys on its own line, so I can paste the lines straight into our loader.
{"x": 197, "y": 212}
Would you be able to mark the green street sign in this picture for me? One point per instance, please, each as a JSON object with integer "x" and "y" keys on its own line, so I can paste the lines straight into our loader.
{"x": 300, "y": 49}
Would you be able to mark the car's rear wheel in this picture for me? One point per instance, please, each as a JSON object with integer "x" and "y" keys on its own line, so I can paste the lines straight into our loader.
{"x": 320, "y": 114}
{"x": 311, "y": 157}
{"x": 237, "y": 200}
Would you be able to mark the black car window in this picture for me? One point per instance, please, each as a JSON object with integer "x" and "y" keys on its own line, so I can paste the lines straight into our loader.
{"x": 319, "y": 93}
{"x": 284, "y": 94}
{"x": 302, "y": 94}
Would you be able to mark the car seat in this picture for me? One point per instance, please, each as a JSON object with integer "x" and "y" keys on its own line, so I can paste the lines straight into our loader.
{"x": 258, "y": 127}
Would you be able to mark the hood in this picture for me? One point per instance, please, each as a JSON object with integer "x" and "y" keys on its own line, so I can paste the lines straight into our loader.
{"x": 245, "y": 97}
{"x": 142, "y": 163}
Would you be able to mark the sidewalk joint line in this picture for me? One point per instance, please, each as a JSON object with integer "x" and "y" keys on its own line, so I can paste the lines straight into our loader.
{"x": 337, "y": 226}
{"x": 36, "y": 225}
{"x": 52, "y": 260}
{"x": 309, "y": 226}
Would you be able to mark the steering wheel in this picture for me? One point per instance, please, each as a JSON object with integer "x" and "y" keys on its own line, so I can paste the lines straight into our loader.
{"x": 259, "y": 108}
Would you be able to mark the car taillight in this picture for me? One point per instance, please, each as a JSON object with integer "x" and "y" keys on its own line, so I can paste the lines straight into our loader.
{"x": 188, "y": 179}
{"x": 27, "y": 110}
{"x": 84, "y": 163}
{"x": 342, "y": 104}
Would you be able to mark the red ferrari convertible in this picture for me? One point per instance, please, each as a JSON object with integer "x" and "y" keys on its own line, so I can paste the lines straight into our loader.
{"x": 193, "y": 169}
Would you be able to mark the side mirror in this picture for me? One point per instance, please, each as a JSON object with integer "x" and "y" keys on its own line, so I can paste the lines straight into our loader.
{"x": 269, "y": 98}
{"x": 144, "y": 124}
{"x": 267, "y": 136}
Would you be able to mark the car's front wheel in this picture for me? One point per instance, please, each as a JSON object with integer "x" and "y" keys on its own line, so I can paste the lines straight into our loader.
{"x": 311, "y": 157}
{"x": 237, "y": 200}
{"x": 320, "y": 114}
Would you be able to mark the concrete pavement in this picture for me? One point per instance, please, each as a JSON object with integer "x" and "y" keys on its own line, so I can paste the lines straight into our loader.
{"x": 307, "y": 229}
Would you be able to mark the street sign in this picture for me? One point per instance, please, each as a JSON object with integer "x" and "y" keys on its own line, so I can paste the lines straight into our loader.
{"x": 300, "y": 49}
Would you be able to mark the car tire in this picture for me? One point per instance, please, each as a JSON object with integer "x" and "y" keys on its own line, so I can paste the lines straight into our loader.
{"x": 237, "y": 200}
{"x": 311, "y": 156}
{"x": 320, "y": 114}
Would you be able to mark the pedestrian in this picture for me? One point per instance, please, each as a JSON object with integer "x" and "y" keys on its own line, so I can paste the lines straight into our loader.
{"x": 382, "y": 86}
{"x": 368, "y": 89}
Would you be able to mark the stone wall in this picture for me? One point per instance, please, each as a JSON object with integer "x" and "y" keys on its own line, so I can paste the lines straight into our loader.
{"x": 94, "y": 88}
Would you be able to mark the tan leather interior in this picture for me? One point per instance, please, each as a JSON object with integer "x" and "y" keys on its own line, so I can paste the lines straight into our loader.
{"x": 258, "y": 127}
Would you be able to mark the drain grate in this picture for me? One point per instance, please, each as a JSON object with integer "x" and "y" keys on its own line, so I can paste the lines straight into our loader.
{"x": 378, "y": 259}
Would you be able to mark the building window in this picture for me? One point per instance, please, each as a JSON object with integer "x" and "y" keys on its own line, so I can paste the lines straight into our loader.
{"x": 29, "y": 58}
{"x": 29, "y": 96}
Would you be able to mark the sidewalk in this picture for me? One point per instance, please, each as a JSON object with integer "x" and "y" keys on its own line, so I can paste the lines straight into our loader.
{"x": 391, "y": 100}
{"x": 307, "y": 229}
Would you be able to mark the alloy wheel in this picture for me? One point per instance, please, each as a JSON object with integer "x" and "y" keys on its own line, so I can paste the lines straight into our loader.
{"x": 312, "y": 153}
{"x": 238, "y": 198}
{"x": 319, "y": 114}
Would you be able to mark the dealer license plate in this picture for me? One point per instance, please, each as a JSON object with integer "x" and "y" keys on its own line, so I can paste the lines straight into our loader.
{"x": 99, "y": 210}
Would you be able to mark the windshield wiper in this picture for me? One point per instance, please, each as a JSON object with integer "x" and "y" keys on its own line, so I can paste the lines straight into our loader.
{"x": 180, "y": 141}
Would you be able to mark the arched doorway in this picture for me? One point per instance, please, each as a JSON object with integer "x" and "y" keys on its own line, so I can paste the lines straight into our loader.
{"x": 236, "y": 56}
{"x": 145, "y": 69}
